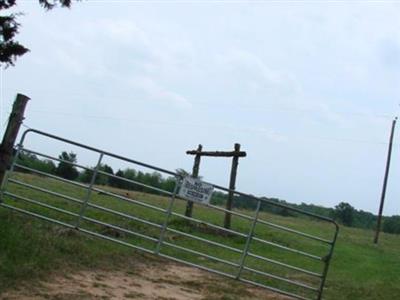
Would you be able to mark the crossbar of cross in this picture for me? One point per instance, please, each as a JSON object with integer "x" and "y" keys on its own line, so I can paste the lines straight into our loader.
{"x": 235, "y": 154}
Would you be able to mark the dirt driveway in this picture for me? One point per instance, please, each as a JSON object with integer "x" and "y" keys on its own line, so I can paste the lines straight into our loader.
{"x": 148, "y": 282}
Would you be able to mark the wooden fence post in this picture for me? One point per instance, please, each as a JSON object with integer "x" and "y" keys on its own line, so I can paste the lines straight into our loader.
{"x": 10, "y": 135}
{"x": 236, "y": 153}
{"x": 232, "y": 183}
{"x": 195, "y": 174}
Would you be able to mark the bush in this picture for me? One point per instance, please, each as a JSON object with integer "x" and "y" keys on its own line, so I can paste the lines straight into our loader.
{"x": 31, "y": 161}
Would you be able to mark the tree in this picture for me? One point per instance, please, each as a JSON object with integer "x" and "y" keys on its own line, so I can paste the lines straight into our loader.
{"x": 101, "y": 179}
{"x": 392, "y": 224}
{"x": 65, "y": 168}
{"x": 116, "y": 182}
{"x": 10, "y": 49}
{"x": 345, "y": 213}
{"x": 168, "y": 184}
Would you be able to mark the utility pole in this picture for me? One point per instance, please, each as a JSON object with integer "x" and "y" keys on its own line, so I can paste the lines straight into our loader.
{"x": 10, "y": 135}
{"x": 389, "y": 155}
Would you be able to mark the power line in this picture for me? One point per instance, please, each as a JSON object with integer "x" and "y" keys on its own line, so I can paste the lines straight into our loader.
{"x": 202, "y": 125}
{"x": 239, "y": 106}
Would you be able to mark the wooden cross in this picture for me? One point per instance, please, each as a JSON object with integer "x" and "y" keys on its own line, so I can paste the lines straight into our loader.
{"x": 235, "y": 154}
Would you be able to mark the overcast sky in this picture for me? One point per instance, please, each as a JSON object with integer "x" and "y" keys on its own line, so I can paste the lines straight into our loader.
{"x": 307, "y": 88}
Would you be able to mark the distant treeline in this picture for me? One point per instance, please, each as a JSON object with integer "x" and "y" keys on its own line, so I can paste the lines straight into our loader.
{"x": 343, "y": 212}
{"x": 105, "y": 175}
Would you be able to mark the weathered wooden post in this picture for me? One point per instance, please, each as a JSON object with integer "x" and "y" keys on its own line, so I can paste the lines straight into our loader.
{"x": 235, "y": 154}
{"x": 232, "y": 184}
{"x": 10, "y": 135}
{"x": 195, "y": 174}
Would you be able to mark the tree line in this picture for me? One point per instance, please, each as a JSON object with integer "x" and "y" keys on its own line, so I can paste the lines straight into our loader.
{"x": 344, "y": 213}
{"x": 67, "y": 170}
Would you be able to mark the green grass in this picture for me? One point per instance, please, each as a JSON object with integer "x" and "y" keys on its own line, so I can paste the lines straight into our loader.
{"x": 32, "y": 249}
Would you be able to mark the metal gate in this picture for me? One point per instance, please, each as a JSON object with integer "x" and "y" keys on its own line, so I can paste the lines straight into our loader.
{"x": 263, "y": 247}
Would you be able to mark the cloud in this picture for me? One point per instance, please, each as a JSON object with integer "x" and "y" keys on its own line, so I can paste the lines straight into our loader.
{"x": 121, "y": 31}
{"x": 389, "y": 54}
{"x": 69, "y": 62}
{"x": 122, "y": 54}
{"x": 152, "y": 90}
{"x": 250, "y": 72}
{"x": 272, "y": 135}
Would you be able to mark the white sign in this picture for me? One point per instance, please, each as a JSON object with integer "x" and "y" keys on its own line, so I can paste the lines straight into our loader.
{"x": 195, "y": 190}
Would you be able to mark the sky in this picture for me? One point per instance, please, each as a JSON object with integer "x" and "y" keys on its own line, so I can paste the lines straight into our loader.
{"x": 308, "y": 88}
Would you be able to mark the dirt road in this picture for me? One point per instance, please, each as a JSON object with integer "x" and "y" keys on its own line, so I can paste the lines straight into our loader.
{"x": 148, "y": 282}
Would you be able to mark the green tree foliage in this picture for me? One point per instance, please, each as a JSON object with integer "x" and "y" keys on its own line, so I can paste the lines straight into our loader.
{"x": 33, "y": 162}
{"x": 129, "y": 174}
{"x": 137, "y": 180}
{"x": 392, "y": 224}
{"x": 245, "y": 202}
{"x": 344, "y": 212}
{"x": 318, "y": 210}
{"x": 168, "y": 184}
{"x": 65, "y": 168}
{"x": 101, "y": 179}
{"x": 363, "y": 219}
{"x": 115, "y": 182}
{"x": 10, "y": 49}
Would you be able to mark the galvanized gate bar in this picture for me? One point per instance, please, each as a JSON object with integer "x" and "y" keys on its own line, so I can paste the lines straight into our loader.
{"x": 129, "y": 200}
{"x": 3, "y": 184}
{"x": 295, "y": 296}
{"x": 98, "y": 171}
{"x": 205, "y": 241}
{"x": 50, "y": 157}
{"x": 249, "y": 237}
{"x": 136, "y": 183}
{"x": 171, "y": 173}
{"x": 202, "y": 254}
{"x": 79, "y": 215}
{"x": 250, "y": 218}
{"x": 278, "y": 205}
{"x": 289, "y": 249}
{"x": 327, "y": 262}
{"x": 39, "y": 189}
{"x": 120, "y": 229}
{"x": 209, "y": 224}
{"x": 294, "y": 231}
{"x": 95, "y": 150}
{"x": 275, "y": 262}
{"x": 50, "y": 176}
{"x": 93, "y": 188}
{"x": 41, "y": 204}
{"x": 89, "y": 191}
{"x": 242, "y": 265}
{"x": 280, "y": 278}
{"x": 169, "y": 210}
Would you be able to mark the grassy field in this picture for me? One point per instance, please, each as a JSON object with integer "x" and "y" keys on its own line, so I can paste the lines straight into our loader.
{"x": 32, "y": 249}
